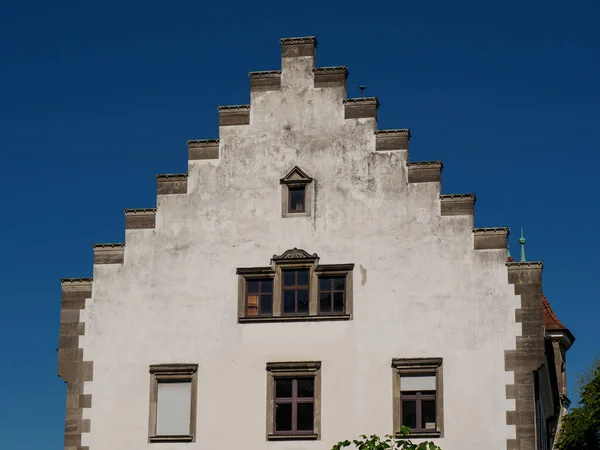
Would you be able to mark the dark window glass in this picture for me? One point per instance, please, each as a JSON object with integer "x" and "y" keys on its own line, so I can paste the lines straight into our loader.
{"x": 302, "y": 277}
{"x": 283, "y": 387}
{"x": 295, "y": 291}
{"x": 409, "y": 414}
{"x": 332, "y": 292}
{"x": 289, "y": 302}
{"x": 306, "y": 418}
{"x": 259, "y": 297}
{"x": 302, "y": 297}
{"x": 289, "y": 277}
{"x": 428, "y": 414}
{"x": 266, "y": 305}
{"x": 325, "y": 301}
{"x": 283, "y": 417}
{"x": 296, "y": 200}
{"x": 306, "y": 387}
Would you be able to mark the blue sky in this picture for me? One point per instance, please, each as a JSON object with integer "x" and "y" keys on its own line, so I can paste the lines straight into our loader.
{"x": 98, "y": 97}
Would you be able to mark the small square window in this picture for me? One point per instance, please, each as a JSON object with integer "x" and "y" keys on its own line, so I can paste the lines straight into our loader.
{"x": 293, "y": 400}
{"x": 173, "y": 403}
{"x": 297, "y": 200}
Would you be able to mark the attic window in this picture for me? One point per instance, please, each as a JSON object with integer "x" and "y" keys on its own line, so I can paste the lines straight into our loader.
{"x": 296, "y": 193}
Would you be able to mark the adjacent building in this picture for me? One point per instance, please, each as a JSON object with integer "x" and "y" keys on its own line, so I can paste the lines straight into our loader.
{"x": 304, "y": 283}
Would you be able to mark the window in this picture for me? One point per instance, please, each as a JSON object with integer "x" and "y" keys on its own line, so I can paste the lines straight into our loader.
{"x": 173, "y": 403}
{"x": 259, "y": 297}
{"x": 296, "y": 194}
{"x": 295, "y": 291}
{"x": 297, "y": 199}
{"x": 294, "y": 405}
{"x": 332, "y": 290}
{"x": 418, "y": 396}
{"x": 295, "y": 288}
{"x": 293, "y": 400}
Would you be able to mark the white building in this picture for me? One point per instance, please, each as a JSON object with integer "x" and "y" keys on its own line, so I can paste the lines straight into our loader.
{"x": 302, "y": 284}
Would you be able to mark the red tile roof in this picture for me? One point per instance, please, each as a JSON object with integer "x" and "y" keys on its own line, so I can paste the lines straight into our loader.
{"x": 551, "y": 322}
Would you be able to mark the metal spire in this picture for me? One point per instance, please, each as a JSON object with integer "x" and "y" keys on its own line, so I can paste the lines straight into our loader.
{"x": 508, "y": 252}
{"x": 522, "y": 242}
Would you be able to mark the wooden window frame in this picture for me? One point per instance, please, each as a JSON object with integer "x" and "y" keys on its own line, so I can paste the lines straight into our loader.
{"x": 294, "y": 370}
{"x": 295, "y": 288}
{"x": 296, "y": 187}
{"x": 290, "y": 260}
{"x": 415, "y": 367}
{"x": 260, "y": 294}
{"x": 294, "y": 401}
{"x": 182, "y": 373}
{"x": 332, "y": 291}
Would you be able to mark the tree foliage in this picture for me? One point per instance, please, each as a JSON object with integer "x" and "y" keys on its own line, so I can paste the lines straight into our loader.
{"x": 388, "y": 442}
{"x": 581, "y": 426}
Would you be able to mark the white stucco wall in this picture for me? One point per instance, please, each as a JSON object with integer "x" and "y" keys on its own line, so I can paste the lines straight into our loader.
{"x": 420, "y": 289}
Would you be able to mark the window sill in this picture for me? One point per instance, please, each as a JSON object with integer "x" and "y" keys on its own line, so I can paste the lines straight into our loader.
{"x": 420, "y": 434}
{"x": 174, "y": 438}
{"x": 324, "y": 317}
{"x": 292, "y": 437}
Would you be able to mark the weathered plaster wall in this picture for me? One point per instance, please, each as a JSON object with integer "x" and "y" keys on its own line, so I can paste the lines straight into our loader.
{"x": 420, "y": 289}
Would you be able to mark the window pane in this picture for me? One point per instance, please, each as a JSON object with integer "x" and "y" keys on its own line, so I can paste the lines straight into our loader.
{"x": 428, "y": 414}
{"x": 302, "y": 277}
{"x": 302, "y": 301}
{"x": 325, "y": 302}
{"x": 283, "y": 388}
{"x": 306, "y": 416}
{"x": 283, "y": 417}
{"x": 409, "y": 414}
{"x": 339, "y": 284}
{"x": 267, "y": 286}
{"x": 417, "y": 383}
{"x": 289, "y": 298}
{"x": 252, "y": 286}
{"x": 289, "y": 277}
{"x": 252, "y": 304}
{"x": 338, "y": 301}
{"x": 306, "y": 387}
{"x": 266, "y": 304}
{"x": 325, "y": 284}
{"x": 297, "y": 199}
{"x": 173, "y": 409}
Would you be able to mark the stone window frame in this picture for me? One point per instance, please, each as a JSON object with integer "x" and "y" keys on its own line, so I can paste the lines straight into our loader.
{"x": 172, "y": 373}
{"x": 296, "y": 178}
{"x": 418, "y": 366}
{"x": 295, "y": 259}
{"x": 293, "y": 369}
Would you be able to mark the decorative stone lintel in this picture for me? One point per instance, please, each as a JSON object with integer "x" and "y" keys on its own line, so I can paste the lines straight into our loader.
{"x": 234, "y": 115}
{"x": 457, "y": 204}
{"x": 387, "y": 140}
{"x": 295, "y": 254}
{"x": 363, "y": 107}
{"x": 325, "y": 77}
{"x": 175, "y": 183}
{"x": 425, "y": 171}
{"x": 265, "y": 81}
{"x": 203, "y": 149}
{"x": 490, "y": 238}
{"x": 109, "y": 253}
{"x": 298, "y": 46}
{"x": 137, "y": 219}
